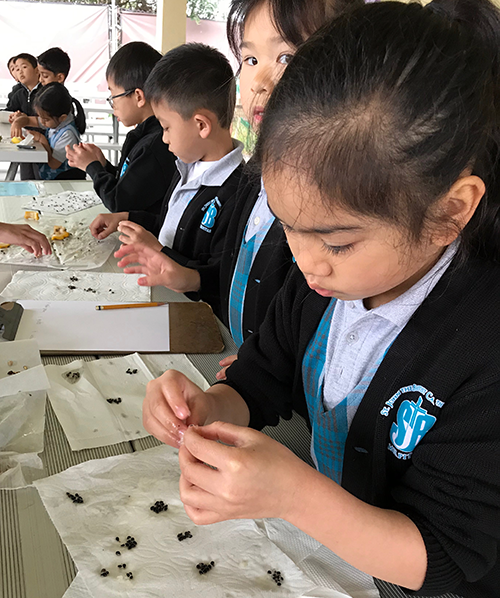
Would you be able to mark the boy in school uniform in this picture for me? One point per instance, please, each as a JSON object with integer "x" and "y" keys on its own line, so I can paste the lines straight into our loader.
{"x": 53, "y": 66}
{"x": 146, "y": 167}
{"x": 26, "y": 72}
{"x": 192, "y": 91}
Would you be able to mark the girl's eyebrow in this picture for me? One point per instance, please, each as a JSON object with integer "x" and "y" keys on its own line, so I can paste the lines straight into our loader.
{"x": 327, "y": 230}
{"x": 275, "y": 41}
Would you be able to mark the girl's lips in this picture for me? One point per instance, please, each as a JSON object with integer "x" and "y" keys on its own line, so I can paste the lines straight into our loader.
{"x": 258, "y": 114}
{"x": 321, "y": 291}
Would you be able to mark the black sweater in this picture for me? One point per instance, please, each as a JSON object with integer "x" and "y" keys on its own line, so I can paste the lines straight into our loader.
{"x": 22, "y": 100}
{"x": 150, "y": 168}
{"x": 269, "y": 268}
{"x": 450, "y": 487}
{"x": 194, "y": 246}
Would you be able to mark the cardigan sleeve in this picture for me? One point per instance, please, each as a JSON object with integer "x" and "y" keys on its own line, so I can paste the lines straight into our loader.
{"x": 452, "y": 490}
{"x": 267, "y": 373}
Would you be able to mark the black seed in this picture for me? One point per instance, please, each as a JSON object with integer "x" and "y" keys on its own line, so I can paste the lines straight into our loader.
{"x": 117, "y": 539}
{"x": 118, "y": 553}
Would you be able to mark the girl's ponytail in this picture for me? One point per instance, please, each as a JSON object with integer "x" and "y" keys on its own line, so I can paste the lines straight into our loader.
{"x": 80, "y": 120}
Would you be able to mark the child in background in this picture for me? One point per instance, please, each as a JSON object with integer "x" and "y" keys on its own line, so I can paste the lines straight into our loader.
{"x": 240, "y": 282}
{"x": 27, "y": 74}
{"x": 380, "y": 155}
{"x": 54, "y": 107}
{"x": 146, "y": 166}
{"x": 193, "y": 94}
{"x": 11, "y": 65}
{"x": 53, "y": 66}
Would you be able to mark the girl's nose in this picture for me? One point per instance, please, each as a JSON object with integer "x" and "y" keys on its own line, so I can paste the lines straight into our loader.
{"x": 262, "y": 82}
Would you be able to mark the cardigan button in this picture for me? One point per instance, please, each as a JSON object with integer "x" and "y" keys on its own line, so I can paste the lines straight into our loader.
{"x": 360, "y": 449}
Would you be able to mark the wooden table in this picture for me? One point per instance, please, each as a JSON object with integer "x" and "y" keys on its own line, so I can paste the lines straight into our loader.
{"x": 9, "y": 152}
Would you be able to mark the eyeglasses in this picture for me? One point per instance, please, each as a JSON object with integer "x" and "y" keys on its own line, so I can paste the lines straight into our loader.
{"x": 111, "y": 99}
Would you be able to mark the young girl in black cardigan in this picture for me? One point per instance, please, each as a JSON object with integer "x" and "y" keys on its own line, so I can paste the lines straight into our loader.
{"x": 385, "y": 335}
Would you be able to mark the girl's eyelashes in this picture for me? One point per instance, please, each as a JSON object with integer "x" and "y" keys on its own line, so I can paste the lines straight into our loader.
{"x": 250, "y": 60}
{"x": 285, "y": 59}
{"x": 338, "y": 249}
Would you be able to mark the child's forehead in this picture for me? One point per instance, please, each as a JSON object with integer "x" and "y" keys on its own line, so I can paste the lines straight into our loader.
{"x": 23, "y": 62}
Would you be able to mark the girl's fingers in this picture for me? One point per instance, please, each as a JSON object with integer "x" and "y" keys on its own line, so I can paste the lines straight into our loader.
{"x": 134, "y": 270}
{"x": 204, "y": 442}
{"x": 131, "y": 258}
{"x": 198, "y": 473}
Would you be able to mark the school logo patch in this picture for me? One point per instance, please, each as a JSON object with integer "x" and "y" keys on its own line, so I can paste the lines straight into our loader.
{"x": 211, "y": 210}
{"x": 124, "y": 167}
{"x": 412, "y": 420}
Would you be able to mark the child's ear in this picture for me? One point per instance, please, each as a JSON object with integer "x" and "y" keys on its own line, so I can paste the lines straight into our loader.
{"x": 63, "y": 117}
{"x": 140, "y": 98}
{"x": 204, "y": 124}
{"x": 458, "y": 206}
{"x": 60, "y": 78}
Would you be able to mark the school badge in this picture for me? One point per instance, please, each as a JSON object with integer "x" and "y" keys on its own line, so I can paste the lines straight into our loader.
{"x": 211, "y": 210}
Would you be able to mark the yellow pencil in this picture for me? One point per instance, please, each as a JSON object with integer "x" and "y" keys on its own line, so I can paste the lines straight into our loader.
{"x": 128, "y": 305}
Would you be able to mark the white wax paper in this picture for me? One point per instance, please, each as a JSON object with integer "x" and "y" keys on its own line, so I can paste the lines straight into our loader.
{"x": 80, "y": 251}
{"x": 66, "y": 202}
{"x": 117, "y": 495}
{"x": 19, "y": 470}
{"x": 22, "y": 397}
{"x": 82, "y": 408}
{"x": 76, "y": 286}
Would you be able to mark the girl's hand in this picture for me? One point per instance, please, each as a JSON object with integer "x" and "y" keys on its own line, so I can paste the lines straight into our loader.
{"x": 172, "y": 403}
{"x": 135, "y": 234}
{"x": 255, "y": 476}
{"x": 26, "y": 237}
{"x": 158, "y": 268}
{"x": 225, "y": 363}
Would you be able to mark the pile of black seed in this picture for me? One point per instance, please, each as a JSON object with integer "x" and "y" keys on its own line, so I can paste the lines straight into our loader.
{"x": 184, "y": 536}
{"x": 129, "y": 575}
{"x": 73, "y": 279}
{"x": 72, "y": 377}
{"x": 159, "y": 507}
{"x": 129, "y": 543}
{"x": 104, "y": 573}
{"x": 277, "y": 577}
{"x": 118, "y": 400}
{"x": 130, "y": 371}
{"x": 204, "y": 568}
{"x": 122, "y": 566}
{"x": 89, "y": 290}
{"x": 71, "y": 287}
{"x": 76, "y": 498}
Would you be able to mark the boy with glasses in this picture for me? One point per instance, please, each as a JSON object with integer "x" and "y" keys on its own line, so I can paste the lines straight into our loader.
{"x": 146, "y": 167}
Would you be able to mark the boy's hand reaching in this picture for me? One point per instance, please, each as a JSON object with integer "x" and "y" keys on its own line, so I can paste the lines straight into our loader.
{"x": 158, "y": 268}
{"x": 105, "y": 224}
{"x": 135, "y": 234}
{"x": 82, "y": 154}
{"x": 14, "y": 115}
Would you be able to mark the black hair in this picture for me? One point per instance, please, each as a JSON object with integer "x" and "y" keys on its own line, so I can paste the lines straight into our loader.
{"x": 12, "y": 59}
{"x": 55, "y": 60}
{"x": 55, "y": 100}
{"x": 194, "y": 76}
{"x": 295, "y": 20}
{"x": 131, "y": 65}
{"x": 28, "y": 57}
{"x": 384, "y": 109}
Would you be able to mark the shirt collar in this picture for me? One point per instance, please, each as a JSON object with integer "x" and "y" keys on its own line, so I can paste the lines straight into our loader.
{"x": 218, "y": 173}
{"x": 399, "y": 310}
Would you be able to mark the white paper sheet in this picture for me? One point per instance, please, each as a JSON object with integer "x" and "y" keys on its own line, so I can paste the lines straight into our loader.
{"x": 117, "y": 495}
{"x": 76, "y": 326}
{"x": 67, "y": 202}
{"x": 80, "y": 251}
{"x": 76, "y": 286}
{"x": 19, "y": 470}
{"x": 22, "y": 397}
{"x": 81, "y": 405}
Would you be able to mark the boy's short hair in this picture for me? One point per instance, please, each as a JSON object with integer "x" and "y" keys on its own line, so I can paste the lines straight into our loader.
{"x": 55, "y": 60}
{"x": 194, "y": 76}
{"x": 131, "y": 65}
{"x": 10, "y": 61}
{"x": 29, "y": 58}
